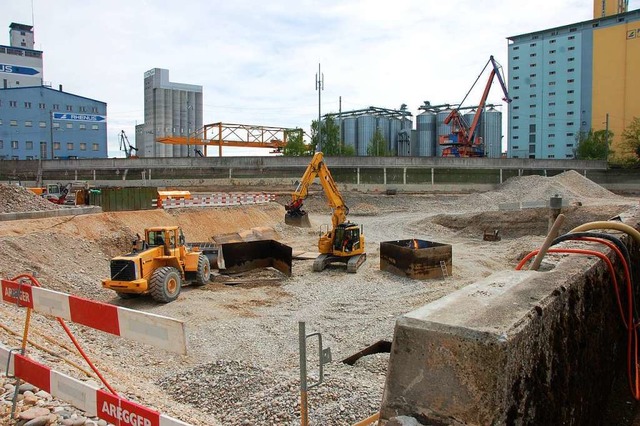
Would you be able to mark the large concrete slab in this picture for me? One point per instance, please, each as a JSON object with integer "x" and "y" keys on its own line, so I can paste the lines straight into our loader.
{"x": 517, "y": 347}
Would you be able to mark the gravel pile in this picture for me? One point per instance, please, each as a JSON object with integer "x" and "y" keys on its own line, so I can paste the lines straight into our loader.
{"x": 17, "y": 199}
{"x": 570, "y": 185}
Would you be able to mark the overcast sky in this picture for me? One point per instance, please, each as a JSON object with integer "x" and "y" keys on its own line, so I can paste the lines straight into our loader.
{"x": 257, "y": 60}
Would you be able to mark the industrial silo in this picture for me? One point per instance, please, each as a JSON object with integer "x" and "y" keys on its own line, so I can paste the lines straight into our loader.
{"x": 426, "y": 134}
{"x": 395, "y": 125}
{"x": 366, "y": 130}
{"x": 350, "y": 131}
{"x": 492, "y": 133}
{"x": 442, "y": 129}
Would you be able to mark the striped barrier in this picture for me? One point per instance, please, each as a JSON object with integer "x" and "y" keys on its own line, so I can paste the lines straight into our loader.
{"x": 159, "y": 331}
{"x": 88, "y": 398}
{"x": 217, "y": 200}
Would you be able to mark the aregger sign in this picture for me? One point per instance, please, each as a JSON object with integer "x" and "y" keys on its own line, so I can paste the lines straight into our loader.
{"x": 93, "y": 401}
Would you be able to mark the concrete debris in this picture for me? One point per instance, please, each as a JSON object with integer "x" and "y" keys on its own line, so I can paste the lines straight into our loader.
{"x": 17, "y": 199}
{"x": 403, "y": 421}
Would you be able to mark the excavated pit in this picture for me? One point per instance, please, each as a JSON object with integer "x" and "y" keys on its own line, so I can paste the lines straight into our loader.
{"x": 417, "y": 259}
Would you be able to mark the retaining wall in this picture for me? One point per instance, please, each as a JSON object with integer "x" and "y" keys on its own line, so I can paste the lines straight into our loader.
{"x": 64, "y": 211}
{"x": 518, "y": 347}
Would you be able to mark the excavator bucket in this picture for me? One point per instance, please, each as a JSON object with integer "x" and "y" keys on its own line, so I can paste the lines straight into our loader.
{"x": 245, "y": 256}
{"x": 301, "y": 221}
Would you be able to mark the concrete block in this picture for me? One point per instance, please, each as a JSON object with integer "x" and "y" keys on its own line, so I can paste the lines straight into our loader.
{"x": 509, "y": 206}
{"x": 534, "y": 204}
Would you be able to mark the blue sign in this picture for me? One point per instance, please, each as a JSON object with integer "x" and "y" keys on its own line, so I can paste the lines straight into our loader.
{"x": 77, "y": 117}
{"x": 14, "y": 69}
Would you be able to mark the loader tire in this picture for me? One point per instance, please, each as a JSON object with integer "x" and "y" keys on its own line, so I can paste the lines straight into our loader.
{"x": 204, "y": 271}
{"x": 165, "y": 284}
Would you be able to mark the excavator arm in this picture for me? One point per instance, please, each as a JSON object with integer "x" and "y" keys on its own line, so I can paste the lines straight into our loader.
{"x": 317, "y": 168}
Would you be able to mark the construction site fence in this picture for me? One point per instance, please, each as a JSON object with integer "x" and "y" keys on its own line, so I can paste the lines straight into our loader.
{"x": 121, "y": 199}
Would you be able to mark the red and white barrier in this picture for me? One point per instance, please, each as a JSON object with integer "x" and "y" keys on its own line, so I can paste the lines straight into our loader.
{"x": 219, "y": 200}
{"x": 92, "y": 400}
{"x": 159, "y": 331}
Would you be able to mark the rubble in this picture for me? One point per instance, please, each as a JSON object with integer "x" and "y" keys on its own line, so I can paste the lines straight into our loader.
{"x": 17, "y": 199}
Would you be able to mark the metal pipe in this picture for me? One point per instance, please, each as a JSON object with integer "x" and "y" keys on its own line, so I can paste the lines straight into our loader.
{"x": 553, "y": 233}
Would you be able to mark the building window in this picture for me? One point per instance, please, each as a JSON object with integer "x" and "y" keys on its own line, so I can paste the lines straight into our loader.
{"x": 516, "y": 87}
{"x": 516, "y": 78}
{"x": 532, "y": 95}
{"x": 515, "y": 117}
{"x": 27, "y": 104}
{"x": 552, "y": 135}
{"x": 552, "y": 93}
{"x": 569, "y": 145}
{"x": 56, "y": 107}
{"x": 532, "y": 116}
{"x": 573, "y": 30}
{"x": 551, "y": 146}
{"x": 28, "y": 123}
{"x": 532, "y": 149}
{"x": 516, "y": 68}
{"x": 552, "y": 104}
{"x": 552, "y": 114}
{"x": 532, "y": 45}
{"x": 516, "y": 47}
{"x": 29, "y": 157}
{"x": 571, "y": 59}
{"x": 95, "y": 147}
{"x": 41, "y": 105}
{"x": 532, "y": 128}
{"x": 83, "y": 126}
{"x": 551, "y": 41}
{"x": 29, "y": 145}
{"x": 532, "y": 55}
{"x": 70, "y": 146}
{"x": 572, "y": 48}
{"x": 570, "y": 113}
{"x": 516, "y": 127}
{"x": 515, "y": 58}
{"x": 94, "y": 109}
{"x": 569, "y": 102}
{"x": 69, "y": 125}
{"x": 13, "y": 104}
{"x": 533, "y": 85}
{"x": 570, "y": 91}
{"x": 56, "y": 145}
{"x": 552, "y": 83}
{"x": 516, "y": 147}
{"x": 570, "y": 134}
{"x": 83, "y": 109}
{"x": 532, "y": 138}
{"x": 570, "y": 123}
{"x": 56, "y": 125}
{"x": 552, "y": 52}
{"x": 69, "y": 108}
{"x": 552, "y": 124}
{"x": 516, "y": 137}
{"x": 572, "y": 37}
{"x": 42, "y": 124}
{"x": 13, "y": 122}
{"x": 14, "y": 144}
{"x": 94, "y": 127}
{"x": 551, "y": 156}
{"x": 83, "y": 146}
{"x": 532, "y": 65}
{"x": 552, "y": 62}
{"x": 516, "y": 107}
{"x": 571, "y": 70}
{"x": 1, "y": 144}
{"x": 532, "y": 105}
{"x": 532, "y": 75}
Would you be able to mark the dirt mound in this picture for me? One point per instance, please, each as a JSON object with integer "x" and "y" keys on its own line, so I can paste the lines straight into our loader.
{"x": 569, "y": 185}
{"x": 17, "y": 199}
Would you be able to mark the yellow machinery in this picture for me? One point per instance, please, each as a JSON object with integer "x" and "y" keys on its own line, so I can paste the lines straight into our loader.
{"x": 158, "y": 265}
{"x": 345, "y": 241}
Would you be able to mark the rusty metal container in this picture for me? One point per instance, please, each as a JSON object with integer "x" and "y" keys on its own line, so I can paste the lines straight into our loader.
{"x": 417, "y": 259}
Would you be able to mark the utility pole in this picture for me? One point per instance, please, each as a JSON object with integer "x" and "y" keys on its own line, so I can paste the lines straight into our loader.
{"x": 319, "y": 88}
{"x": 340, "y": 140}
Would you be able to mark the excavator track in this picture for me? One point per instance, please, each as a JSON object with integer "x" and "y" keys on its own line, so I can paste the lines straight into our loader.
{"x": 355, "y": 262}
{"x": 321, "y": 262}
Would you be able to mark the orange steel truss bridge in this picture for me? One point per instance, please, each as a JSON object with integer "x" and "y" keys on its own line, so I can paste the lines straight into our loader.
{"x": 238, "y": 135}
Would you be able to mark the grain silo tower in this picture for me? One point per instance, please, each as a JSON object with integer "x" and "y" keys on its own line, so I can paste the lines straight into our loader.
{"x": 442, "y": 129}
{"x": 426, "y": 128}
{"x": 492, "y": 133}
{"x": 366, "y": 129}
{"x": 350, "y": 131}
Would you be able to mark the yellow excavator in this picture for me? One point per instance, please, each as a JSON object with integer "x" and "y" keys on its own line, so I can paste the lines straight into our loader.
{"x": 345, "y": 241}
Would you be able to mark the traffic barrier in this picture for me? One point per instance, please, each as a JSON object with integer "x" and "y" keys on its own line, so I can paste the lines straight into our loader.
{"x": 159, "y": 331}
{"x": 84, "y": 396}
{"x": 216, "y": 200}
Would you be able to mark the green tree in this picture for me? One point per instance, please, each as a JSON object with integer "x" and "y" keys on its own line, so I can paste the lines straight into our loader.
{"x": 330, "y": 143}
{"x": 378, "y": 145}
{"x": 594, "y": 145}
{"x": 631, "y": 136}
{"x": 295, "y": 146}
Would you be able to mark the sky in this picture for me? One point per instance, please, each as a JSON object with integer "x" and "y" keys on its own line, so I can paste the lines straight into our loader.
{"x": 257, "y": 61}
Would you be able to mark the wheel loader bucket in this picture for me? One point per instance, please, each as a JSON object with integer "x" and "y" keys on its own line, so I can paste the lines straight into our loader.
{"x": 301, "y": 221}
{"x": 245, "y": 256}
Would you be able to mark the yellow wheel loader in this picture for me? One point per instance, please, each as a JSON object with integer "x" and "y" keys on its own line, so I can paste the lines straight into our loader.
{"x": 159, "y": 265}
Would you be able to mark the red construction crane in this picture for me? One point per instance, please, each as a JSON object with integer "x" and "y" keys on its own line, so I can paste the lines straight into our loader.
{"x": 463, "y": 140}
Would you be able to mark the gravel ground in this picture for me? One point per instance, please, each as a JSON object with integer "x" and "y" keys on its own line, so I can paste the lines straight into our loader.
{"x": 242, "y": 362}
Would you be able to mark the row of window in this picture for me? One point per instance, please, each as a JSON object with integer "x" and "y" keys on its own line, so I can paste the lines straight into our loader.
{"x": 54, "y": 107}
{"x": 571, "y": 80}
{"x": 551, "y": 52}
{"x": 532, "y": 127}
{"x": 56, "y": 145}
{"x": 534, "y": 64}
{"x": 552, "y": 41}
{"x": 534, "y": 85}
{"x": 551, "y": 114}
{"x": 56, "y": 125}
{"x": 533, "y": 147}
{"x": 551, "y": 104}
{"x": 532, "y": 138}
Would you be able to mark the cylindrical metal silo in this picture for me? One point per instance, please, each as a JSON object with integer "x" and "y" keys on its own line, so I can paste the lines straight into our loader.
{"x": 167, "y": 121}
{"x": 350, "y": 131}
{"x": 395, "y": 125}
{"x": 179, "y": 118}
{"x": 442, "y": 129}
{"x": 492, "y": 133}
{"x": 366, "y": 130}
{"x": 426, "y": 129}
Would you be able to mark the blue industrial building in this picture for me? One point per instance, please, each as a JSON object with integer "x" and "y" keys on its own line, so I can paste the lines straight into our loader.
{"x": 42, "y": 123}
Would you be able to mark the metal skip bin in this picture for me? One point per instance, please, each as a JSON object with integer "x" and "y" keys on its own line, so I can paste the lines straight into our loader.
{"x": 245, "y": 256}
{"x": 418, "y": 259}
